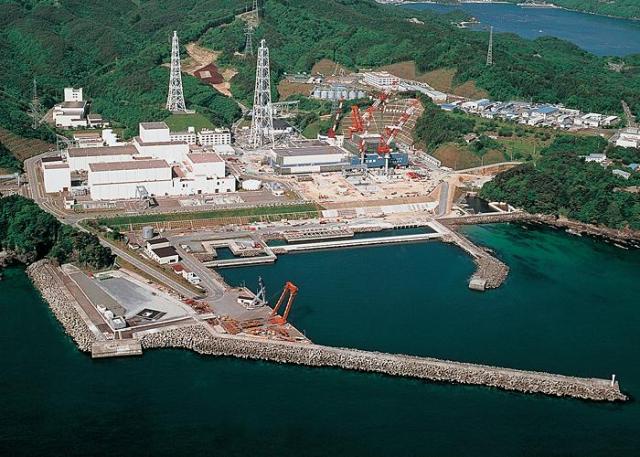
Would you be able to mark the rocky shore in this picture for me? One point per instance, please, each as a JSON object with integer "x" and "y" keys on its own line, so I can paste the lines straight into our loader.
{"x": 198, "y": 339}
{"x": 623, "y": 236}
{"x": 61, "y": 303}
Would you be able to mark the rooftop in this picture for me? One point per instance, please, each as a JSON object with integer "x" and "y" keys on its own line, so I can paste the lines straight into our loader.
{"x": 308, "y": 150}
{"x": 102, "y": 151}
{"x": 205, "y": 157}
{"x": 157, "y": 241}
{"x": 154, "y": 125}
{"x": 51, "y": 159}
{"x": 169, "y": 251}
{"x": 73, "y": 105}
{"x": 129, "y": 165}
{"x": 53, "y": 166}
{"x": 157, "y": 143}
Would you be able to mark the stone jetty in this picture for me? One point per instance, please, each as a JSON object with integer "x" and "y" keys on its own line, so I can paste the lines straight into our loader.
{"x": 200, "y": 339}
{"x": 62, "y": 303}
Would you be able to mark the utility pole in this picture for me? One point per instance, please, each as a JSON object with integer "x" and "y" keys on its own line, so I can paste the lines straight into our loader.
{"x": 35, "y": 108}
{"x": 490, "y": 51}
{"x": 262, "y": 115}
{"x": 175, "y": 98}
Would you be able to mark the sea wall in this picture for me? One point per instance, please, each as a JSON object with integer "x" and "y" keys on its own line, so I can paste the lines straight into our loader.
{"x": 199, "y": 339}
{"x": 62, "y": 303}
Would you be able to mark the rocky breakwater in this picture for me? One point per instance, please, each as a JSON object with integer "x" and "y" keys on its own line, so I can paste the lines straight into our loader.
{"x": 62, "y": 303}
{"x": 199, "y": 339}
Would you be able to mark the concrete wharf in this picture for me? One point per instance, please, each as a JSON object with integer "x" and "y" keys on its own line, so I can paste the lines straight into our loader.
{"x": 359, "y": 242}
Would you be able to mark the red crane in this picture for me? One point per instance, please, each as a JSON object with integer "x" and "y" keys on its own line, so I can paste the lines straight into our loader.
{"x": 274, "y": 318}
{"x": 332, "y": 131}
{"x": 357, "y": 126}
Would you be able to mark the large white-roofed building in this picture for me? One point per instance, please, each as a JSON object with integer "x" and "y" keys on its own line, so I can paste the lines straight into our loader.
{"x": 79, "y": 159}
{"x": 57, "y": 176}
{"x": 151, "y": 165}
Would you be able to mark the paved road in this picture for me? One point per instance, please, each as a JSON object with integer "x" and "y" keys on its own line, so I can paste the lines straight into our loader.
{"x": 160, "y": 277}
{"x": 444, "y": 199}
{"x": 209, "y": 281}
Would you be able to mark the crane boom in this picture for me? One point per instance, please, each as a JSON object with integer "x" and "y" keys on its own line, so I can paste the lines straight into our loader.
{"x": 292, "y": 290}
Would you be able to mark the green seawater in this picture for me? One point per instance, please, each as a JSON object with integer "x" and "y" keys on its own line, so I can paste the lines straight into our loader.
{"x": 571, "y": 305}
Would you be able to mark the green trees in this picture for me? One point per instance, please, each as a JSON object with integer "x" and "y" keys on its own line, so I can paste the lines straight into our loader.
{"x": 562, "y": 183}
{"x": 32, "y": 234}
{"x": 436, "y": 126}
{"x": 8, "y": 161}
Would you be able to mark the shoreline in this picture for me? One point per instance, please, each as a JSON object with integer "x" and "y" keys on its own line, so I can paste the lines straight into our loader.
{"x": 551, "y": 5}
{"x": 201, "y": 339}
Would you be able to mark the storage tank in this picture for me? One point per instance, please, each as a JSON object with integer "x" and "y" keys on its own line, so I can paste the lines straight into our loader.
{"x": 147, "y": 232}
{"x": 251, "y": 184}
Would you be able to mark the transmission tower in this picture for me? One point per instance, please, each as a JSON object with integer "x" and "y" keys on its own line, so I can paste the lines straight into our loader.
{"x": 262, "y": 115}
{"x": 248, "y": 47}
{"x": 256, "y": 9}
{"x": 35, "y": 108}
{"x": 490, "y": 50}
{"x": 175, "y": 99}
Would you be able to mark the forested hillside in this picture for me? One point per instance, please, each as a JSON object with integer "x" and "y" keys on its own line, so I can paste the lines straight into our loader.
{"x": 562, "y": 183}
{"x": 115, "y": 50}
{"x": 30, "y": 234}
{"x": 361, "y": 34}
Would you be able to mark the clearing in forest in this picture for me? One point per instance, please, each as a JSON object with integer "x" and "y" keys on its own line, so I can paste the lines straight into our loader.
{"x": 23, "y": 148}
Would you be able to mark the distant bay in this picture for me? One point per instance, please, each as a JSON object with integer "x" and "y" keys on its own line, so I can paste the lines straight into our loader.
{"x": 600, "y": 35}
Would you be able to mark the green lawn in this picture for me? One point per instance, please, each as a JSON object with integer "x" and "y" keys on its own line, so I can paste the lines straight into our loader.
{"x": 215, "y": 214}
{"x": 180, "y": 122}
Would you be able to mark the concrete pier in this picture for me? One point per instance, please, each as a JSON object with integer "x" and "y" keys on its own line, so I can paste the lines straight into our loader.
{"x": 203, "y": 340}
{"x": 115, "y": 348}
{"x": 359, "y": 242}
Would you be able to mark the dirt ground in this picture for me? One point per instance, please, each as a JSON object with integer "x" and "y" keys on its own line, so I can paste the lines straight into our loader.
{"x": 328, "y": 67}
{"x": 441, "y": 80}
{"x": 199, "y": 57}
{"x": 333, "y": 189}
{"x": 23, "y": 148}
{"x": 287, "y": 88}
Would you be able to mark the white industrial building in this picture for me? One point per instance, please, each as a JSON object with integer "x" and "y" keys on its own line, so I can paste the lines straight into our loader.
{"x": 629, "y": 138}
{"x": 57, "y": 177}
{"x": 380, "y": 80}
{"x": 73, "y": 112}
{"x": 152, "y": 165}
{"x": 308, "y": 158}
{"x": 80, "y": 158}
{"x": 189, "y": 136}
{"x": 208, "y": 137}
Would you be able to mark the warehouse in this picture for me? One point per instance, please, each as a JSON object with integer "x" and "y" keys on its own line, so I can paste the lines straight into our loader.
{"x": 57, "y": 177}
{"x": 121, "y": 180}
{"x": 315, "y": 157}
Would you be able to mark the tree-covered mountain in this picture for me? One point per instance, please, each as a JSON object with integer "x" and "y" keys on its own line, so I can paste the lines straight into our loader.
{"x": 115, "y": 50}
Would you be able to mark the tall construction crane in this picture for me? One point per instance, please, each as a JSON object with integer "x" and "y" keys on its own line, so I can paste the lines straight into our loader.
{"x": 292, "y": 290}
{"x": 332, "y": 131}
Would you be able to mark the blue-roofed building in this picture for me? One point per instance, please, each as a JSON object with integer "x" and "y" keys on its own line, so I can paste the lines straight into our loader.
{"x": 448, "y": 107}
{"x": 634, "y": 166}
{"x": 545, "y": 110}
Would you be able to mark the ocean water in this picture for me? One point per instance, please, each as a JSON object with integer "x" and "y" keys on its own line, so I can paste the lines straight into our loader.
{"x": 597, "y": 34}
{"x": 570, "y": 305}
